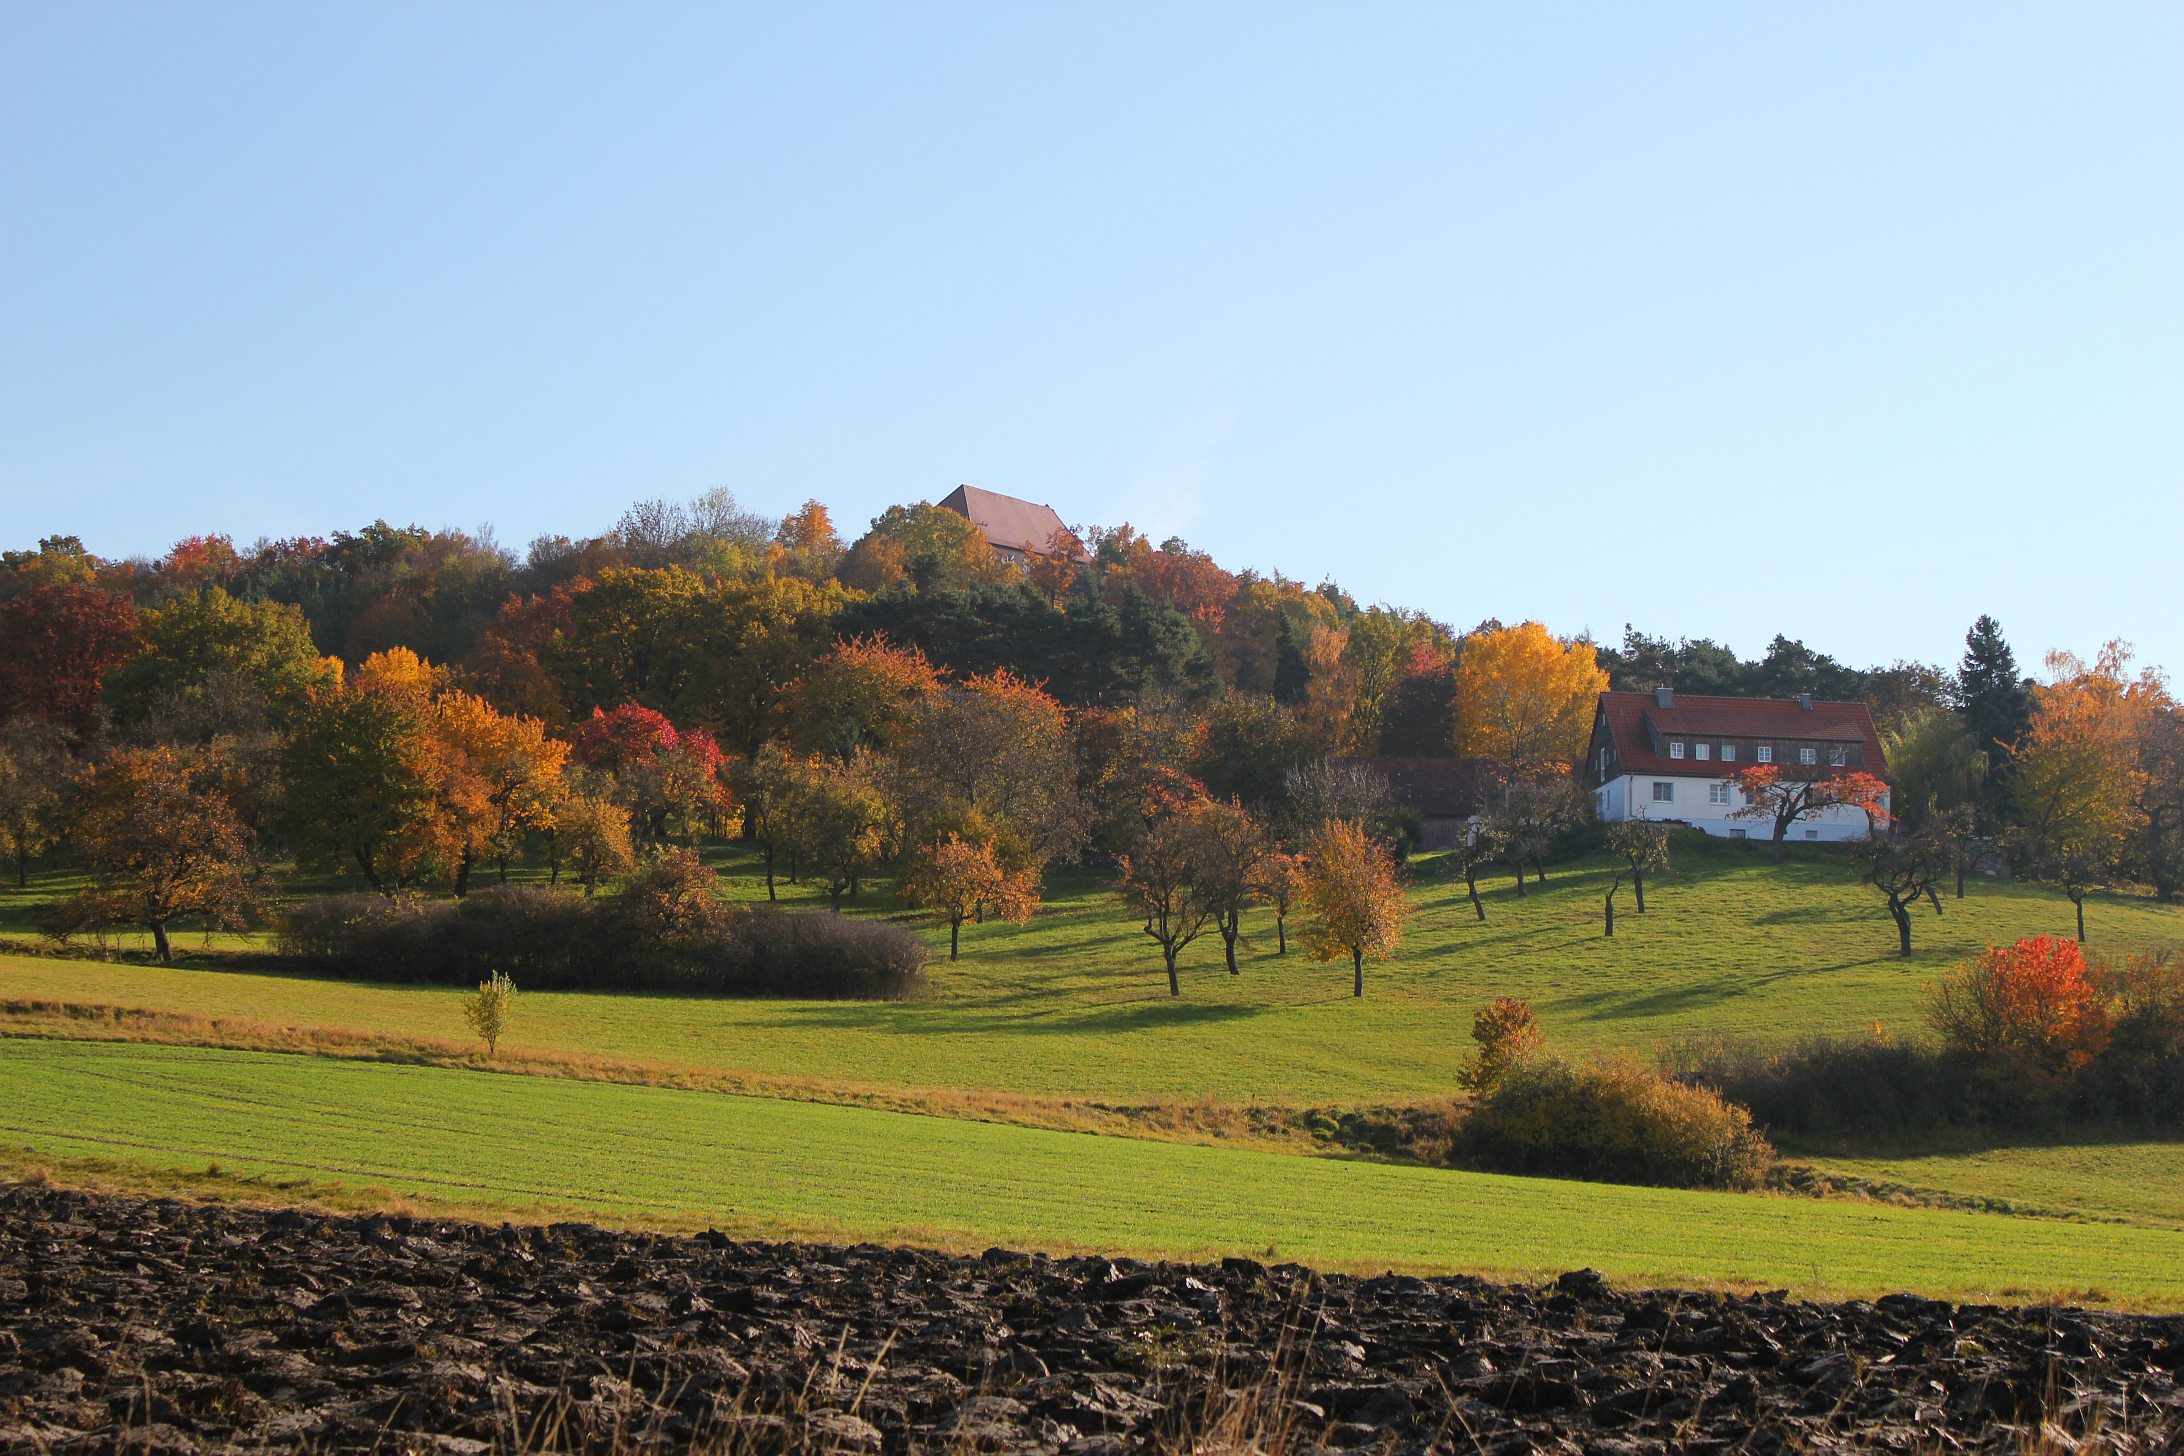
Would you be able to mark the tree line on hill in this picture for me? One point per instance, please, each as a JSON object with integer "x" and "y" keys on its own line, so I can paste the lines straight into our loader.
{"x": 418, "y": 710}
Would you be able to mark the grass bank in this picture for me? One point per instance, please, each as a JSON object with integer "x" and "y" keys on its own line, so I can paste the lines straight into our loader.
{"x": 676, "y": 1159}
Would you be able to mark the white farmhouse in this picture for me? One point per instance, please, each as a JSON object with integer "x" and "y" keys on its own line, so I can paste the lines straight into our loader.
{"x": 1672, "y": 759}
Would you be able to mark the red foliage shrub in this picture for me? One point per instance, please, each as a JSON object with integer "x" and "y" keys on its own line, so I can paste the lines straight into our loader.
{"x": 2023, "y": 1008}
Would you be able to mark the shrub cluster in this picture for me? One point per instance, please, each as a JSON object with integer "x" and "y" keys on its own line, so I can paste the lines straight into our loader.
{"x": 2027, "y": 1037}
{"x": 661, "y": 933}
{"x": 1618, "y": 1123}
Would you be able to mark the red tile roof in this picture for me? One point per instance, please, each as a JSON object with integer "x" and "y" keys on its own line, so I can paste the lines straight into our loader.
{"x": 1778, "y": 720}
{"x": 1008, "y": 524}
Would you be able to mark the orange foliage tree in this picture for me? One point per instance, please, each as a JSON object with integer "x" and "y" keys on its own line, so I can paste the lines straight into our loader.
{"x": 956, "y": 878}
{"x": 2077, "y": 774}
{"x": 1525, "y": 699}
{"x": 1784, "y": 799}
{"x": 861, "y": 694}
{"x": 995, "y": 755}
{"x": 2028, "y": 1008}
{"x": 163, "y": 842}
{"x": 1353, "y": 904}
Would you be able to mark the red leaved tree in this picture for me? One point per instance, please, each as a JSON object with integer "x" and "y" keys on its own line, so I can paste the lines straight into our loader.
{"x": 2027, "y": 1008}
{"x": 1784, "y": 799}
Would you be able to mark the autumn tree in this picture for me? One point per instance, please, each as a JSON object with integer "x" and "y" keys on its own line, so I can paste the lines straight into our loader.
{"x": 754, "y": 639}
{"x": 513, "y": 773}
{"x": 1131, "y": 769}
{"x": 837, "y": 822}
{"x": 992, "y": 757}
{"x": 163, "y": 843}
{"x": 1233, "y": 853}
{"x": 805, "y": 544}
{"x": 1904, "y": 869}
{"x": 213, "y": 642}
{"x": 2075, "y": 774}
{"x": 1418, "y": 716}
{"x": 1507, "y": 1033}
{"x": 1525, "y": 699}
{"x": 363, "y": 783}
{"x": 1959, "y": 829}
{"x": 762, "y": 784}
{"x": 1640, "y": 847}
{"x": 1352, "y": 901}
{"x": 863, "y": 693}
{"x": 2025, "y": 1010}
{"x": 633, "y": 635}
{"x": 924, "y": 548}
{"x": 488, "y": 1008}
{"x": 1160, "y": 881}
{"x": 35, "y": 774}
{"x": 57, "y": 642}
{"x": 955, "y": 879}
{"x": 590, "y": 834}
{"x": 1782, "y": 798}
{"x": 666, "y": 776}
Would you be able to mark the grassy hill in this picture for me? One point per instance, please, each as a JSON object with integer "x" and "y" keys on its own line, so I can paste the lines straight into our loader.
{"x": 1074, "y": 1003}
{"x": 538, "y": 1146}
{"x": 1071, "y": 1012}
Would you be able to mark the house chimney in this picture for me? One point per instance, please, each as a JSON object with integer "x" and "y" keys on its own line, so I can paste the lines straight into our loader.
{"x": 1664, "y": 697}
{"x": 1804, "y": 700}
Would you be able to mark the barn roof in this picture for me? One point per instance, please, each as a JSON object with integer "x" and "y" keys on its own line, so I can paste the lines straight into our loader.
{"x": 1682, "y": 715}
{"x": 1007, "y": 523}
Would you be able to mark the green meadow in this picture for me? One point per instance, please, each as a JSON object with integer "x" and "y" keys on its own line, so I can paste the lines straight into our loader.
{"x": 1074, "y": 1005}
{"x": 535, "y": 1146}
{"x": 1072, "y": 1009}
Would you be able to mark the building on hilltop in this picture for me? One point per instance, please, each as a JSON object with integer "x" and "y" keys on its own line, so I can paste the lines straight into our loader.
{"x": 1667, "y": 758}
{"x": 1016, "y": 529}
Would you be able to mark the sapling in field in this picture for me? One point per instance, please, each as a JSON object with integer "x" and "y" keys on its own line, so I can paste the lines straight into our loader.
{"x": 487, "y": 1008}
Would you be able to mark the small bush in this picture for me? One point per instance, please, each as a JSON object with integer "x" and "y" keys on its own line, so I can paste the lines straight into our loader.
{"x": 665, "y": 931}
{"x": 2023, "y": 1010}
{"x": 1508, "y": 1034}
{"x": 487, "y": 1008}
{"x": 1616, "y": 1123}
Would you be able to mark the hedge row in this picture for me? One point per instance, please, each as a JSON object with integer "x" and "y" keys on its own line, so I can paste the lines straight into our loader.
{"x": 555, "y": 941}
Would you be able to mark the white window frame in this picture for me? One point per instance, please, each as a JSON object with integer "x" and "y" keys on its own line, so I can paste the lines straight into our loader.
{"x": 1717, "y": 793}
{"x": 1675, "y": 748}
{"x": 1703, "y": 751}
{"x": 1808, "y": 755}
{"x": 1728, "y": 753}
{"x": 1838, "y": 758}
{"x": 1764, "y": 753}
{"x": 1664, "y": 791}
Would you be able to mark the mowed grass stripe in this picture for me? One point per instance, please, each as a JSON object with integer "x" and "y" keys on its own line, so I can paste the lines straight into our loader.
{"x": 650, "y": 1155}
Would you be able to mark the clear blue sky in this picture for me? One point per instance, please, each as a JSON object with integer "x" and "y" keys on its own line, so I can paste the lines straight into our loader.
{"x": 1849, "y": 321}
